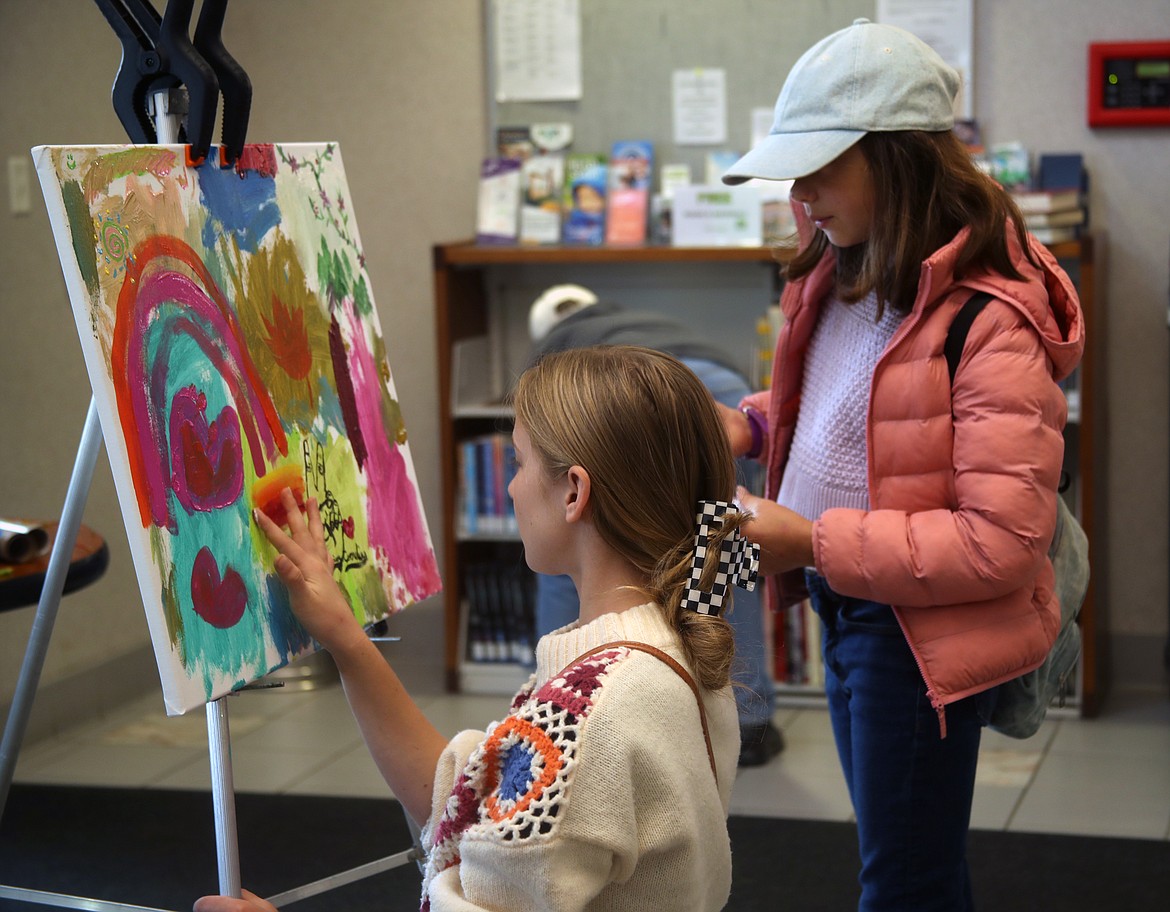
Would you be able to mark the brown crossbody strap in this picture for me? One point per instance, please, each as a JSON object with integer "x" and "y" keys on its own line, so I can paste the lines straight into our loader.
{"x": 678, "y": 669}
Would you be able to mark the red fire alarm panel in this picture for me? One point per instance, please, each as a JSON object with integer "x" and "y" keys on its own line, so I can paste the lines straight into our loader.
{"x": 1129, "y": 84}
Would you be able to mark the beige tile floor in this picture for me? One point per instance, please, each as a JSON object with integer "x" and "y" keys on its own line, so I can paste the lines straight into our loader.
{"x": 1106, "y": 776}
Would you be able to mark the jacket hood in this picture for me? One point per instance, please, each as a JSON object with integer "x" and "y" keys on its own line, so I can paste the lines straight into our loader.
{"x": 1045, "y": 295}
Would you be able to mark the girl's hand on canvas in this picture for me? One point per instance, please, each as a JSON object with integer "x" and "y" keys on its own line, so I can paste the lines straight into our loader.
{"x": 305, "y": 566}
{"x": 784, "y": 537}
{"x": 249, "y": 903}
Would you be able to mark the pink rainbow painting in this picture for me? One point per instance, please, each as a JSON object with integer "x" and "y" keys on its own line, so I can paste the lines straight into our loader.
{"x": 234, "y": 350}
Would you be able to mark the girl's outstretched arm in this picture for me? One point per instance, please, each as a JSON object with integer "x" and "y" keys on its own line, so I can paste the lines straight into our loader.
{"x": 404, "y": 744}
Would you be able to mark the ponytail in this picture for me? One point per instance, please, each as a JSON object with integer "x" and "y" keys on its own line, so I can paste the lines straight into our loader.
{"x": 708, "y": 640}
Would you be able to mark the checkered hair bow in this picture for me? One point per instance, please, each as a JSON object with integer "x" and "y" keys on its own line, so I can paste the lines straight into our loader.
{"x": 739, "y": 560}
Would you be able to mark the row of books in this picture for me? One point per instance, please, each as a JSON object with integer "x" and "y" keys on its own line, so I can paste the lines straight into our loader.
{"x": 1055, "y": 215}
{"x": 500, "y": 619}
{"x": 1050, "y": 188}
{"x": 487, "y": 464}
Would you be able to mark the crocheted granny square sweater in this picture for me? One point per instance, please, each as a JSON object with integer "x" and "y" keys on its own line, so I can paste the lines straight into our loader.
{"x": 596, "y": 792}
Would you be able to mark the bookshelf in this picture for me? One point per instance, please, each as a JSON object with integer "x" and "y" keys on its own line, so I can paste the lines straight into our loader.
{"x": 481, "y": 298}
{"x": 469, "y": 283}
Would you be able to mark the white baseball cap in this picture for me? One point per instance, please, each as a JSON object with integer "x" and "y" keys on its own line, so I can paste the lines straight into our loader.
{"x": 866, "y": 78}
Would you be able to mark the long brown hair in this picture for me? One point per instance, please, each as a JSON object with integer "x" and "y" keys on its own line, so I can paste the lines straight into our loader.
{"x": 648, "y": 433}
{"x": 926, "y": 189}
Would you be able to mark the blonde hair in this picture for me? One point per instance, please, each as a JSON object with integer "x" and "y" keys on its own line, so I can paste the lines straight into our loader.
{"x": 648, "y": 433}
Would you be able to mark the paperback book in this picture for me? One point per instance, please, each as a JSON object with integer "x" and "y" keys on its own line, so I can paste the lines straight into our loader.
{"x": 1062, "y": 171}
{"x": 1065, "y": 218}
{"x": 541, "y": 179}
{"x": 515, "y": 142}
{"x": 1054, "y": 235}
{"x": 1034, "y": 201}
{"x": 631, "y": 166}
{"x": 498, "y": 211}
{"x": 585, "y": 198}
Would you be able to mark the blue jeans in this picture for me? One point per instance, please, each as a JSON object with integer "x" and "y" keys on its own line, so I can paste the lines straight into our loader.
{"x": 911, "y": 789}
{"x": 556, "y": 598}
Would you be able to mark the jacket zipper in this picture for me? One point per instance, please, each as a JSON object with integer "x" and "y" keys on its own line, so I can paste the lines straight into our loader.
{"x": 912, "y": 318}
{"x": 936, "y": 701}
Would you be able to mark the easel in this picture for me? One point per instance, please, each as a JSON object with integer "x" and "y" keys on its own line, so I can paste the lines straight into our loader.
{"x": 137, "y": 23}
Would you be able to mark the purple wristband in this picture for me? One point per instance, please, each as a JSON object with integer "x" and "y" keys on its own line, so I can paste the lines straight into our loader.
{"x": 756, "y": 422}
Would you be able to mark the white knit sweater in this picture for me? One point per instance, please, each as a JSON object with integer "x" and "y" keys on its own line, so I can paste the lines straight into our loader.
{"x": 595, "y": 793}
{"x": 827, "y": 464}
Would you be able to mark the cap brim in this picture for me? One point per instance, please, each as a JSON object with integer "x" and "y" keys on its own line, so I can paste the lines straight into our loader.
{"x": 787, "y": 156}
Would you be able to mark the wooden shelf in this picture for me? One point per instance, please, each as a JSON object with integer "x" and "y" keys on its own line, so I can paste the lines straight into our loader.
{"x": 461, "y": 284}
{"x": 471, "y": 254}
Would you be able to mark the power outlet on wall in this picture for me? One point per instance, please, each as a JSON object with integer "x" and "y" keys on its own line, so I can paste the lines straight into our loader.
{"x": 19, "y": 185}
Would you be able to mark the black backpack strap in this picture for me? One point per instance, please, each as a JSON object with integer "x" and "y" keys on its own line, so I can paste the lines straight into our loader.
{"x": 960, "y": 326}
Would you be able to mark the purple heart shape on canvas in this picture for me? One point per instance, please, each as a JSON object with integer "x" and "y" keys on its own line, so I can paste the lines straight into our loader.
{"x": 218, "y": 600}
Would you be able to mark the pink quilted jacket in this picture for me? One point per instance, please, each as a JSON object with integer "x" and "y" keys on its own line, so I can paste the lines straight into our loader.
{"x": 962, "y": 508}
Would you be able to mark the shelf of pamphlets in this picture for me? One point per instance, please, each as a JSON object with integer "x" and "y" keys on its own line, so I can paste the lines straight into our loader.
{"x": 536, "y": 189}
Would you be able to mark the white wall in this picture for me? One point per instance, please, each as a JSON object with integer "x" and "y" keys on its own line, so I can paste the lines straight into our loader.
{"x": 400, "y": 84}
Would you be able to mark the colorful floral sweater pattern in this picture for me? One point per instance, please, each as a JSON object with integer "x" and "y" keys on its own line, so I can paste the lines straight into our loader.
{"x": 550, "y": 832}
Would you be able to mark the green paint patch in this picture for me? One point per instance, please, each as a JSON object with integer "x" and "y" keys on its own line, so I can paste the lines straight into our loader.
{"x": 83, "y": 233}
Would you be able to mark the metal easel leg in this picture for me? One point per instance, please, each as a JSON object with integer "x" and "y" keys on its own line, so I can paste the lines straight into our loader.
{"x": 223, "y": 797}
{"x": 50, "y": 601}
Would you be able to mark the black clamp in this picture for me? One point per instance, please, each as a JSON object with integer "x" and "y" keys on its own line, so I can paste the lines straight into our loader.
{"x": 158, "y": 55}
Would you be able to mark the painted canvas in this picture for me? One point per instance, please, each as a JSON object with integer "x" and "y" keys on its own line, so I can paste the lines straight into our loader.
{"x": 233, "y": 346}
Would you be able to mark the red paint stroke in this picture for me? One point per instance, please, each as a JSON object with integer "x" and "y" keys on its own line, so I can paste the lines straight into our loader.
{"x": 266, "y": 493}
{"x": 288, "y": 339}
{"x": 208, "y": 471}
{"x": 345, "y": 393}
{"x": 149, "y": 285}
{"x": 257, "y": 157}
{"x": 219, "y": 601}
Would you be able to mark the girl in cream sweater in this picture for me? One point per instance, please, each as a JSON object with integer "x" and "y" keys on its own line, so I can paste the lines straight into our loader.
{"x": 607, "y": 784}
